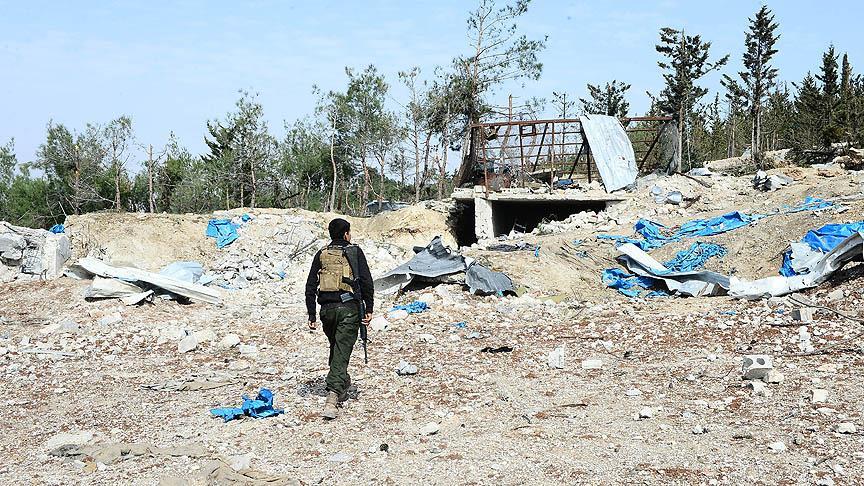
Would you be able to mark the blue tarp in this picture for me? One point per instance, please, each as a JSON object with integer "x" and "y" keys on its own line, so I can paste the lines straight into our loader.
{"x": 223, "y": 230}
{"x": 57, "y": 229}
{"x": 413, "y": 308}
{"x": 259, "y": 407}
{"x": 823, "y": 239}
{"x": 691, "y": 259}
{"x": 694, "y": 258}
{"x": 810, "y": 204}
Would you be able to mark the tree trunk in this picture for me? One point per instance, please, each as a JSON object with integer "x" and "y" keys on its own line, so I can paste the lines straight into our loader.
{"x": 381, "y": 161}
{"x": 332, "y": 202}
{"x": 116, "y": 186}
{"x": 254, "y": 182}
{"x": 150, "y": 199}
{"x": 680, "y": 138}
{"x": 416, "y": 142}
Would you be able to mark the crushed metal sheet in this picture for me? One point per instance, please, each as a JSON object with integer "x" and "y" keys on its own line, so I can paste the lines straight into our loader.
{"x": 612, "y": 150}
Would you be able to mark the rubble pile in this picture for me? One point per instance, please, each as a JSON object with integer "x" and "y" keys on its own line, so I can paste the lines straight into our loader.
{"x": 27, "y": 253}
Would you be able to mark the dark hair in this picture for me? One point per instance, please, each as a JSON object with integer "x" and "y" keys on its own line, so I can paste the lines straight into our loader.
{"x": 337, "y": 228}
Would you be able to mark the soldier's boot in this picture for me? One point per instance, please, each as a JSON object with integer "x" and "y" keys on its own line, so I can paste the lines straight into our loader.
{"x": 330, "y": 410}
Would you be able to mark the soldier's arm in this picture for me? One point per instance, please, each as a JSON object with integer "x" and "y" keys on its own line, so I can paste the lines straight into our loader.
{"x": 312, "y": 286}
{"x": 367, "y": 287}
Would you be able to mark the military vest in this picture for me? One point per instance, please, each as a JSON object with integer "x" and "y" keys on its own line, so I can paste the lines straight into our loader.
{"x": 335, "y": 274}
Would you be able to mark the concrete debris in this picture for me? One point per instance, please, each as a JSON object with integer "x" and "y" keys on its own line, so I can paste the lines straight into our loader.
{"x": 379, "y": 323}
{"x": 756, "y": 367}
{"x": 398, "y": 315}
{"x": 556, "y": 358}
{"x": 340, "y": 457}
{"x": 431, "y": 428}
{"x": 835, "y": 295}
{"x": 31, "y": 254}
{"x": 633, "y": 392}
{"x": 818, "y": 395}
{"x": 846, "y": 428}
{"x": 404, "y": 368}
{"x": 69, "y": 438}
{"x": 777, "y": 446}
{"x": 774, "y": 377}
{"x": 803, "y": 314}
{"x": 646, "y": 413}
{"x": 247, "y": 349}
{"x": 592, "y": 364}
{"x": 764, "y": 182}
{"x": 229, "y": 341}
{"x": 188, "y": 343}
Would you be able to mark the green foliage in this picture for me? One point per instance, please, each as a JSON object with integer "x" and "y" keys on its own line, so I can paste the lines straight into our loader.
{"x": 608, "y": 100}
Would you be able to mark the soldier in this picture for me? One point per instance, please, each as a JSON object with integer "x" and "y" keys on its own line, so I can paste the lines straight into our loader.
{"x": 340, "y": 277}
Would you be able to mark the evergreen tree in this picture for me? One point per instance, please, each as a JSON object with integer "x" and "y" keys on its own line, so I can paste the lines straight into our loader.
{"x": 829, "y": 99}
{"x": 608, "y": 100}
{"x": 808, "y": 122}
{"x": 686, "y": 61}
{"x": 759, "y": 74}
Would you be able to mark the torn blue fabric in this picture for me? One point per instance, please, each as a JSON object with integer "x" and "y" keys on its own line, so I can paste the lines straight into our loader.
{"x": 822, "y": 239}
{"x": 627, "y": 284}
{"x": 656, "y": 235}
{"x": 57, "y": 229}
{"x": 694, "y": 258}
{"x": 809, "y": 204}
{"x": 223, "y": 230}
{"x": 413, "y": 308}
{"x": 259, "y": 407}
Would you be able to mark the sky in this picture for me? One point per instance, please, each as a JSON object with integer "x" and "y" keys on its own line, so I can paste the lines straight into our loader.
{"x": 173, "y": 65}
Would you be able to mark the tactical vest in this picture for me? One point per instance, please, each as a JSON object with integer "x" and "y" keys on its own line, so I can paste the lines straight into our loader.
{"x": 335, "y": 274}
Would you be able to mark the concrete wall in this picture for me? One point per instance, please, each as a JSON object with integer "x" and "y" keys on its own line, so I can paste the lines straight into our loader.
{"x": 483, "y": 222}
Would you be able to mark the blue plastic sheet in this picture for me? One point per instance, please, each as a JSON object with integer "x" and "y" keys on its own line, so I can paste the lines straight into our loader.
{"x": 628, "y": 284}
{"x": 810, "y": 204}
{"x": 694, "y": 258}
{"x": 259, "y": 407}
{"x": 57, "y": 229}
{"x": 822, "y": 239}
{"x": 413, "y": 308}
{"x": 223, "y": 230}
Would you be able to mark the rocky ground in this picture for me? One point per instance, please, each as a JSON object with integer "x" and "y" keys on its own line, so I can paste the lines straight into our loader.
{"x": 593, "y": 389}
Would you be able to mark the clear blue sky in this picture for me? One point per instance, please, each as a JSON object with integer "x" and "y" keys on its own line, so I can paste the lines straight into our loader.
{"x": 174, "y": 65}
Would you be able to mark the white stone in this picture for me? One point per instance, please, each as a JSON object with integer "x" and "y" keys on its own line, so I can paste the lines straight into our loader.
{"x": 818, "y": 395}
{"x": 69, "y": 438}
{"x": 229, "y": 340}
{"x": 556, "y": 358}
{"x": 835, "y": 295}
{"x": 398, "y": 315}
{"x": 205, "y": 335}
{"x": 756, "y": 366}
{"x": 429, "y": 429}
{"x": 189, "y": 343}
{"x": 406, "y": 368}
{"x": 777, "y": 446}
{"x": 759, "y": 388}
{"x": 803, "y": 314}
{"x": 699, "y": 430}
{"x": 340, "y": 457}
{"x": 111, "y": 319}
{"x": 379, "y": 323}
{"x": 633, "y": 392}
{"x": 240, "y": 462}
{"x": 646, "y": 413}
{"x": 427, "y": 338}
{"x": 774, "y": 377}
{"x": 592, "y": 364}
{"x": 846, "y": 428}
{"x": 248, "y": 349}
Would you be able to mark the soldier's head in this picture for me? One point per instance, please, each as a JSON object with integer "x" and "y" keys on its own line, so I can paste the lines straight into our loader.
{"x": 339, "y": 229}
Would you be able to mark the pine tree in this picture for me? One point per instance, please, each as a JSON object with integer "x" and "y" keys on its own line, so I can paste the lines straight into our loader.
{"x": 807, "y": 124}
{"x": 608, "y": 100}
{"x": 759, "y": 74}
{"x": 686, "y": 61}
{"x": 829, "y": 99}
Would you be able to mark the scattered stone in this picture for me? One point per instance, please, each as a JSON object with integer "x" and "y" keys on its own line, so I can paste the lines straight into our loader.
{"x": 825, "y": 481}
{"x": 428, "y": 338}
{"x": 646, "y": 413}
{"x": 239, "y": 365}
{"x": 379, "y": 324}
{"x": 835, "y": 295}
{"x": 248, "y": 349}
{"x": 699, "y": 430}
{"x": 111, "y": 319}
{"x": 846, "y": 428}
{"x": 774, "y": 377}
{"x": 556, "y": 358}
{"x": 777, "y": 446}
{"x": 756, "y": 366}
{"x": 818, "y": 395}
{"x": 340, "y": 457}
{"x": 591, "y": 364}
{"x": 759, "y": 388}
{"x": 405, "y": 369}
{"x": 229, "y": 341}
{"x": 68, "y": 438}
{"x": 803, "y": 314}
{"x": 189, "y": 343}
{"x": 633, "y": 392}
{"x": 240, "y": 462}
{"x": 429, "y": 429}
{"x": 205, "y": 335}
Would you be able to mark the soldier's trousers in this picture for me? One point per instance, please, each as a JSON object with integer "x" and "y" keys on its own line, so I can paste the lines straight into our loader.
{"x": 341, "y": 325}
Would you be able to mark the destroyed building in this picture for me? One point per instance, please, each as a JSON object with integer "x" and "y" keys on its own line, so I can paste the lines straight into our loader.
{"x": 518, "y": 174}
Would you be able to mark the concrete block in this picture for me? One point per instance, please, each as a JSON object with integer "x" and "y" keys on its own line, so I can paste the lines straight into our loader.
{"x": 803, "y": 314}
{"x": 756, "y": 366}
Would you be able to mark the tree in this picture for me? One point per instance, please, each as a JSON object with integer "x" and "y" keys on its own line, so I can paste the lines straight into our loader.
{"x": 846, "y": 106}
{"x": 758, "y": 75}
{"x": 253, "y": 145}
{"x": 8, "y": 161}
{"x": 608, "y": 100}
{"x": 417, "y": 116}
{"x": 118, "y": 136}
{"x": 497, "y": 54}
{"x": 830, "y": 98}
{"x": 73, "y": 168}
{"x": 807, "y": 123}
{"x": 686, "y": 61}
{"x": 562, "y": 105}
